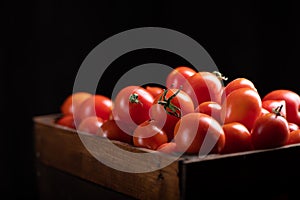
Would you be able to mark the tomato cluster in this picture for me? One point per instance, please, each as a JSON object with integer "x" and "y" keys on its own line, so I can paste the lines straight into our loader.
{"x": 85, "y": 112}
{"x": 194, "y": 113}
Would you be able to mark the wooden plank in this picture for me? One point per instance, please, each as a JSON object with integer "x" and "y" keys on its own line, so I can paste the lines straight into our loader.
{"x": 62, "y": 148}
{"x": 56, "y": 184}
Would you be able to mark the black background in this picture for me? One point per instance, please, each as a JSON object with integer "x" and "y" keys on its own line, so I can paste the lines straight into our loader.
{"x": 43, "y": 44}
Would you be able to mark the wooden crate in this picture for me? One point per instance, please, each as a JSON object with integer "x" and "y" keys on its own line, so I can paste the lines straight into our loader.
{"x": 261, "y": 173}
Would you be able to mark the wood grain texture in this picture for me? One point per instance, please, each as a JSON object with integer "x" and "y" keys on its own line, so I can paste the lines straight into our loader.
{"x": 63, "y": 149}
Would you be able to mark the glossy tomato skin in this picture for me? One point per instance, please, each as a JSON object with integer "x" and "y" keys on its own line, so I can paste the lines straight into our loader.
{"x": 237, "y": 83}
{"x": 292, "y": 100}
{"x": 96, "y": 105}
{"x": 203, "y": 86}
{"x": 160, "y": 114}
{"x": 242, "y": 105}
{"x": 168, "y": 148}
{"x": 237, "y": 138}
{"x": 67, "y": 121}
{"x": 264, "y": 111}
{"x": 210, "y": 108}
{"x": 148, "y": 135}
{"x": 154, "y": 90}
{"x": 270, "y": 131}
{"x": 140, "y": 105}
{"x": 132, "y": 105}
{"x": 294, "y": 137}
{"x": 110, "y": 129}
{"x": 270, "y": 105}
{"x": 293, "y": 126}
{"x": 121, "y": 104}
{"x": 191, "y": 130}
{"x": 178, "y": 76}
{"x": 90, "y": 124}
{"x": 73, "y": 101}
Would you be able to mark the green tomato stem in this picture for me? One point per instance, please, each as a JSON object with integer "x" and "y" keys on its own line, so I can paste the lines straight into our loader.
{"x": 170, "y": 108}
{"x": 133, "y": 98}
{"x": 277, "y": 110}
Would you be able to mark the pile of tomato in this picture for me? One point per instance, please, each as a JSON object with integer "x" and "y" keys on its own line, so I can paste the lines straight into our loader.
{"x": 194, "y": 113}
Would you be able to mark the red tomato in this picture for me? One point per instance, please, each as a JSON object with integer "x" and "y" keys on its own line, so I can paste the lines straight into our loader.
{"x": 242, "y": 105}
{"x": 203, "y": 86}
{"x": 132, "y": 105}
{"x": 198, "y": 133}
{"x": 210, "y": 108}
{"x": 264, "y": 111}
{"x": 148, "y": 135}
{"x": 96, "y": 105}
{"x": 111, "y": 130}
{"x": 292, "y": 100}
{"x": 237, "y": 138}
{"x": 67, "y": 121}
{"x": 90, "y": 124}
{"x": 73, "y": 101}
{"x": 178, "y": 76}
{"x": 293, "y": 126}
{"x": 168, "y": 148}
{"x": 273, "y": 104}
{"x": 154, "y": 90}
{"x": 270, "y": 130}
{"x": 169, "y": 107}
{"x": 236, "y": 84}
{"x": 294, "y": 137}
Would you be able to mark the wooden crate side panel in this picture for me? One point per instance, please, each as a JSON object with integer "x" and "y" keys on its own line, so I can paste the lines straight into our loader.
{"x": 56, "y": 184}
{"x": 267, "y": 175}
{"x": 64, "y": 150}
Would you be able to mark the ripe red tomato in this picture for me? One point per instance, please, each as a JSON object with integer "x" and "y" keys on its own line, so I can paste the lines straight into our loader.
{"x": 198, "y": 133}
{"x": 178, "y": 76}
{"x": 203, "y": 86}
{"x": 292, "y": 100}
{"x": 90, "y": 124}
{"x": 148, "y": 135}
{"x": 132, "y": 105}
{"x": 96, "y": 105}
{"x": 236, "y": 84}
{"x": 168, "y": 148}
{"x": 294, "y": 137}
{"x": 264, "y": 111}
{"x": 237, "y": 138}
{"x": 270, "y": 130}
{"x": 73, "y": 101}
{"x": 111, "y": 130}
{"x": 67, "y": 121}
{"x": 210, "y": 108}
{"x": 242, "y": 105}
{"x": 169, "y": 107}
{"x": 273, "y": 104}
{"x": 154, "y": 90}
{"x": 293, "y": 126}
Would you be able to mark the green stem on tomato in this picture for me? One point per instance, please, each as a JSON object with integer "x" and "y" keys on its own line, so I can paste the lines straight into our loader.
{"x": 220, "y": 75}
{"x": 277, "y": 110}
{"x": 133, "y": 98}
{"x": 174, "y": 110}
